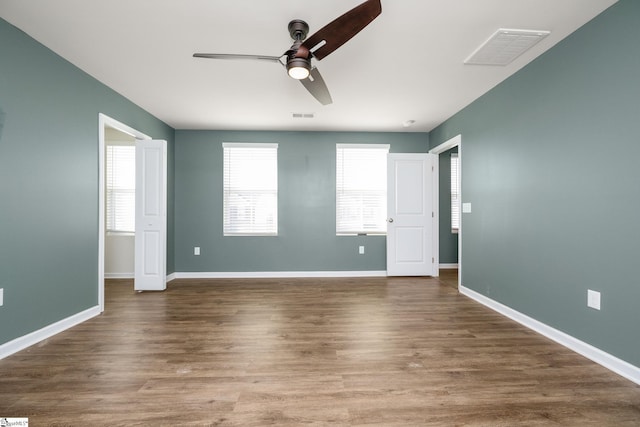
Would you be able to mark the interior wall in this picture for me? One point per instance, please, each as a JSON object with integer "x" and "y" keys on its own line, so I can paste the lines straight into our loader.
{"x": 119, "y": 262}
{"x": 551, "y": 171}
{"x": 49, "y": 182}
{"x": 306, "y": 238}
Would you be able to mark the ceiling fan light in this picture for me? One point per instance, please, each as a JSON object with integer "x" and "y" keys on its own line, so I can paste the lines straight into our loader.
{"x": 298, "y": 68}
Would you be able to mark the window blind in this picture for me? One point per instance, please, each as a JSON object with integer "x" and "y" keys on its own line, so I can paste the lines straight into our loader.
{"x": 121, "y": 188}
{"x": 455, "y": 192}
{"x": 250, "y": 189}
{"x": 361, "y": 188}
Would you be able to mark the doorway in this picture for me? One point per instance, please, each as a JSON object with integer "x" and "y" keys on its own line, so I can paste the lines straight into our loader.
{"x": 120, "y": 205}
{"x": 454, "y": 142}
{"x": 110, "y": 128}
{"x": 410, "y": 219}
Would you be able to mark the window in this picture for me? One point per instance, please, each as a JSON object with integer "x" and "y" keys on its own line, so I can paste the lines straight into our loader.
{"x": 361, "y": 189}
{"x": 250, "y": 189}
{"x": 121, "y": 188}
{"x": 455, "y": 193}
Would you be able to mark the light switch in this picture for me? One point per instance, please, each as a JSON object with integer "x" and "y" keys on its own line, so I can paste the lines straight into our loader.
{"x": 593, "y": 299}
{"x": 196, "y": 250}
{"x": 466, "y": 208}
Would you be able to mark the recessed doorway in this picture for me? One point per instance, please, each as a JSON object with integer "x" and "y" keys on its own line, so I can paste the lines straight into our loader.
{"x": 454, "y": 142}
{"x": 119, "y": 248}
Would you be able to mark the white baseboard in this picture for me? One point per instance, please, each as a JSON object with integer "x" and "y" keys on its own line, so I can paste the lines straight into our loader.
{"x": 118, "y": 275}
{"x": 274, "y": 274}
{"x": 448, "y": 266}
{"x": 35, "y": 337}
{"x": 131, "y": 276}
{"x": 607, "y": 360}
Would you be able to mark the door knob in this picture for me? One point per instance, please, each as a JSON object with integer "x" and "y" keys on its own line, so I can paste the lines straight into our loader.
{"x": 390, "y": 219}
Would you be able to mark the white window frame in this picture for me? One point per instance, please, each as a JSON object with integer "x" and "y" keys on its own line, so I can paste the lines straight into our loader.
{"x": 371, "y": 185}
{"x": 120, "y": 211}
{"x": 260, "y": 197}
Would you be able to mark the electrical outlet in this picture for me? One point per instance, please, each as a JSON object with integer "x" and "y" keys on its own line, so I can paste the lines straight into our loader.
{"x": 196, "y": 250}
{"x": 1, "y": 297}
{"x": 361, "y": 250}
{"x": 593, "y": 299}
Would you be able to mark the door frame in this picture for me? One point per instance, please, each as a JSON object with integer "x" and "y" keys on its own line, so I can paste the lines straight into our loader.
{"x": 456, "y": 141}
{"x": 104, "y": 121}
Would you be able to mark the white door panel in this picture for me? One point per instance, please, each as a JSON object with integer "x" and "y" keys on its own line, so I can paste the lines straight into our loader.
{"x": 409, "y": 228}
{"x": 408, "y": 200}
{"x": 151, "y": 245}
{"x": 412, "y": 244}
{"x": 151, "y": 216}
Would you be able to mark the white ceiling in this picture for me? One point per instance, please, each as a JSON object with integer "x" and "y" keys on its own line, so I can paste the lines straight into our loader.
{"x": 406, "y": 65}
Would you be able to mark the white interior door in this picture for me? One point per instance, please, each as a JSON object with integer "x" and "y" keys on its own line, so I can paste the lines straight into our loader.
{"x": 410, "y": 214}
{"x": 151, "y": 215}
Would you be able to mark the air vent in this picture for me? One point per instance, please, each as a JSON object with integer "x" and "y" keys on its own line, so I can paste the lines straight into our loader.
{"x": 504, "y": 46}
{"x": 303, "y": 115}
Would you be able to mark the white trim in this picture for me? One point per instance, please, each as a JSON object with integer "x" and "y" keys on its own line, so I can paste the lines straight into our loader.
{"x": 35, "y": 337}
{"x": 448, "y": 266}
{"x": 363, "y": 146}
{"x": 456, "y": 141}
{"x": 607, "y": 360}
{"x": 104, "y": 120}
{"x": 101, "y": 207}
{"x": 447, "y": 145}
{"x": 249, "y": 145}
{"x": 119, "y": 275}
{"x": 435, "y": 209}
{"x": 171, "y": 277}
{"x": 274, "y": 274}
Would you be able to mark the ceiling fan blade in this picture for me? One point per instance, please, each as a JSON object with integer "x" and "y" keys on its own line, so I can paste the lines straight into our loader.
{"x": 235, "y": 56}
{"x": 316, "y": 86}
{"x": 340, "y": 30}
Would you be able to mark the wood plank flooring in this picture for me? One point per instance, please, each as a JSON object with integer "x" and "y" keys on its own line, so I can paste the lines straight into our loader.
{"x": 292, "y": 352}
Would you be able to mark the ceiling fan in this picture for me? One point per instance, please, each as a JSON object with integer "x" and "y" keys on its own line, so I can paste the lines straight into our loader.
{"x": 297, "y": 59}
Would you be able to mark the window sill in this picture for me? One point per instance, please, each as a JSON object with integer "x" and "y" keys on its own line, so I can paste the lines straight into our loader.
{"x": 249, "y": 235}
{"x": 121, "y": 233}
{"x": 359, "y": 234}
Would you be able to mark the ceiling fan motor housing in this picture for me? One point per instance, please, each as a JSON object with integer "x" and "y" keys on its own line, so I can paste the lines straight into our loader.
{"x": 298, "y": 29}
{"x": 298, "y": 67}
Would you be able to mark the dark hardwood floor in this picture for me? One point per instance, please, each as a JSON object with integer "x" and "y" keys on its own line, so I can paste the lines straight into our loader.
{"x": 290, "y": 352}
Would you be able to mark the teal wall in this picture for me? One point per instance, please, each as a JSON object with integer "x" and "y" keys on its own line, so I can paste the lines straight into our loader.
{"x": 49, "y": 182}
{"x": 551, "y": 169}
{"x": 448, "y": 241}
{"x": 306, "y": 238}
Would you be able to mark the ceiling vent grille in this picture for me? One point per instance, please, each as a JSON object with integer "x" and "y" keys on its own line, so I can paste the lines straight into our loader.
{"x": 303, "y": 115}
{"x": 504, "y": 46}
